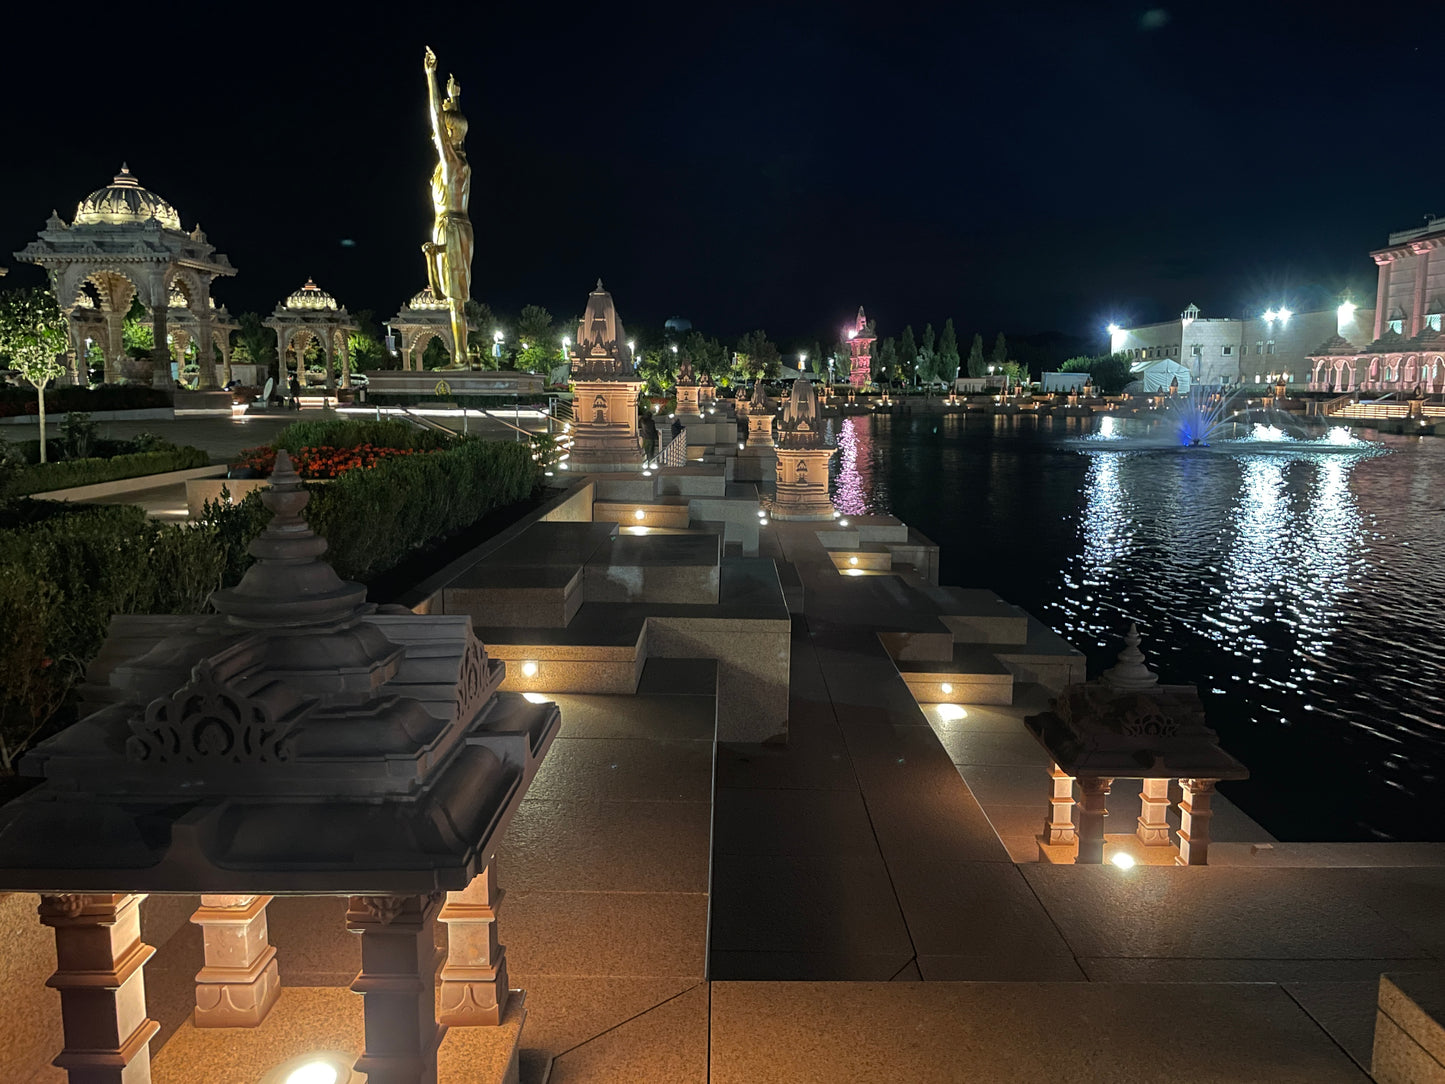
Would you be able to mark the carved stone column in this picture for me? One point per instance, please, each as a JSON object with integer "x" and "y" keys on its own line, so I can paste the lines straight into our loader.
{"x": 205, "y": 352}
{"x": 1422, "y": 298}
{"x": 327, "y": 343}
{"x": 1194, "y": 815}
{"x": 1154, "y": 804}
{"x": 161, "y": 352}
{"x": 1059, "y": 827}
{"x": 474, "y": 976}
{"x": 397, "y": 982}
{"x": 1382, "y": 295}
{"x": 239, "y": 982}
{"x": 100, "y": 973}
{"x": 1092, "y": 811}
{"x": 114, "y": 345}
{"x": 226, "y": 356}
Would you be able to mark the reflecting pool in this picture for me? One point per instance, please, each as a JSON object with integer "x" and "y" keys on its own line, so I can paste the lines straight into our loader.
{"x": 1300, "y": 590}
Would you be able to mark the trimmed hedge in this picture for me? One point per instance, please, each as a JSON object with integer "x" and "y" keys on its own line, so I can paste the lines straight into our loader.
{"x": 372, "y": 519}
{"x": 349, "y": 433}
{"x": 64, "y": 578}
{"x": 84, "y": 472}
{"x": 17, "y": 401}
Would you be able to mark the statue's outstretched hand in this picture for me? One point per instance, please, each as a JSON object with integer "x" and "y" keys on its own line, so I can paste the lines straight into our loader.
{"x": 430, "y": 61}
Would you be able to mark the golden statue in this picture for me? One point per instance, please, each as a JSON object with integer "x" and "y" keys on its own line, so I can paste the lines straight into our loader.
{"x": 449, "y": 252}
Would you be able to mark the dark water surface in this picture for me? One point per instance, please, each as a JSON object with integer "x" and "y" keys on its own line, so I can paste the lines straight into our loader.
{"x": 1302, "y": 592}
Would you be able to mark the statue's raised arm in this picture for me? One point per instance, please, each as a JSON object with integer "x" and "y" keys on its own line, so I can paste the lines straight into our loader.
{"x": 434, "y": 100}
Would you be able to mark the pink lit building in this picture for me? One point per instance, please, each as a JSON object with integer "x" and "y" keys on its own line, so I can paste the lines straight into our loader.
{"x": 861, "y": 338}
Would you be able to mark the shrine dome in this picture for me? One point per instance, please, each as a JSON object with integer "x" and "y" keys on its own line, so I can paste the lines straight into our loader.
{"x": 311, "y": 297}
{"x": 124, "y": 201}
{"x": 426, "y": 300}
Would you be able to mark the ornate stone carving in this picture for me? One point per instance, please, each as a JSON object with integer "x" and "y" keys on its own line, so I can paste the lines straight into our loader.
{"x": 64, "y": 905}
{"x": 382, "y": 909}
{"x": 206, "y": 720}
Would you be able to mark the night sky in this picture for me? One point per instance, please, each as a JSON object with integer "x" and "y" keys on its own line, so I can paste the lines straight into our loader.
{"x": 1017, "y": 166}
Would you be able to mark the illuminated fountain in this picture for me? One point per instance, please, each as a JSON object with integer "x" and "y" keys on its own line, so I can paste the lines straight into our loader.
{"x": 1209, "y": 418}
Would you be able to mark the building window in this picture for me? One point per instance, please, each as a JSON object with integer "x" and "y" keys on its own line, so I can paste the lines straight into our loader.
{"x": 1227, "y": 351}
{"x": 1269, "y": 348}
{"x": 1397, "y": 326}
{"x": 1194, "y": 350}
{"x": 1433, "y": 321}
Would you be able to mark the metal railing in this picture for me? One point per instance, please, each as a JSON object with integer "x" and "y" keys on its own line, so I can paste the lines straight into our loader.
{"x": 674, "y": 452}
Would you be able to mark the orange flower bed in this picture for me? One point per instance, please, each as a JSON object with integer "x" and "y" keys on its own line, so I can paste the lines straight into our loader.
{"x": 319, "y": 463}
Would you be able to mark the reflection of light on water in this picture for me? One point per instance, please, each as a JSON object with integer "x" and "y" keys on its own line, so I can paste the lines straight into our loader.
{"x": 1108, "y": 428}
{"x": 1108, "y": 520}
{"x": 852, "y": 491}
{"x": 1268, "y": 432}
{"x": 1340, "y": 435}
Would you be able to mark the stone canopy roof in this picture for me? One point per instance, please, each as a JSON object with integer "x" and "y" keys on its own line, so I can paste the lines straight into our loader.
{"x": 801, "y": 425}
{"x": 1127, "y": 725}
{"x": 296, "y": 741}
{"x": 124, "y": 200}
{"x": 601, "y": 351}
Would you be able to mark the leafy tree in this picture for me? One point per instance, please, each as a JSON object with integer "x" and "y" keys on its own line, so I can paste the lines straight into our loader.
{"x": 976, "y": 365}
{"x": 907, "y": 351}
{"x": 33, "y": 338}
{"x": 923, "y": 368}
{"x": 947, "y": 357}
{"x": 538, "y": 341}
{"x": 1108, "y": 372}
{"x": 365, "y": 347}
{"x": 758, "y": 356}
{"x": 706, "y": 354}
{"x": 818, "y": 360}
{"x": 258, "y": 342}
{"x": 886, "y": 361}
{"x": 1000, "y": 351}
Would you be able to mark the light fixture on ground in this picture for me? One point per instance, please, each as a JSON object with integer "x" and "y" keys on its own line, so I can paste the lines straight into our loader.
{"x": 852, "y": 560}
{"x": 529, "y": 669}
{"x": 639, "y": 514}
{"x": 947, "y": 689}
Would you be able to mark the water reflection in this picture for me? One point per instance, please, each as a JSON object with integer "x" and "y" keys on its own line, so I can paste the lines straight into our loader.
{"x": 854, "y": 491}
{"x": 1296, "y": 589}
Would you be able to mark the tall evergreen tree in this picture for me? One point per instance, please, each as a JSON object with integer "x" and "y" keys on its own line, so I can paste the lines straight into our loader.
{"x": 923, "y": 370}
{"x": 907, "y": 353}
{"x": 1000, "y": 351}
{"x": 976, "y": 365}
{"x": 948, "y": 353}
{"x": 885, "y": 364}
{"x": 817, "y": 360}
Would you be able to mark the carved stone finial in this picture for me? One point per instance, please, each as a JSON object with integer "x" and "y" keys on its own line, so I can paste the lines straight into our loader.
{"x": 289, "y": 585}
{"x": 1130, "y": 672}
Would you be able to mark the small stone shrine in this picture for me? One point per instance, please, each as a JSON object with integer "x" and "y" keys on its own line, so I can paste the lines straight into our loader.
{"x": 760, "y": 417}
{"x": 604, "y": 429}
{"x": 802, "y": 478}
{"x": 688, "y": 391}
{"x": 1125, "y": 725}
{"x": 424, "y": 318}
{"x": 311, "y": 315}
{"x": 299, "y": 742}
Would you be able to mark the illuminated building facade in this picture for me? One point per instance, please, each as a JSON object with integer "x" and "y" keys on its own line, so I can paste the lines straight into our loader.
{"x": 861, "y": 338}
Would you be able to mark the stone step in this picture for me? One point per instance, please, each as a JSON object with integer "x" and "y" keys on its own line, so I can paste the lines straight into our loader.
{"x": 658, "y": 512}
{"x": 970, "y": 675}
{"x": 679, "y": 568}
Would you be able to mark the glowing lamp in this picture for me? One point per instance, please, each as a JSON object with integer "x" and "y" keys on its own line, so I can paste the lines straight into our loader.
{"x": 1113, "y": 329}
{"x": 1284, "y": 315}
{"x": 313, "y": 1072}
{"x": 947, "y": 689}
{"x": 529, "y": 669}
{"x": 1346, "y": 312}
{"x": 1270, "y": 315}
{"x": 639, "y": 514}
{"x": 852, "y": 560}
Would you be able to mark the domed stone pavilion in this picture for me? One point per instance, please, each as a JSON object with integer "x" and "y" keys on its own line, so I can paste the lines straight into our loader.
{"x": 423, "y": 318}
{"x": 124, "y": 243}
{"x": 312, "y": 315}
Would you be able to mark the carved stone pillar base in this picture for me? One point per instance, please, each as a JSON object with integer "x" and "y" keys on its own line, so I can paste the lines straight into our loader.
{"x": 240, "y": 981}
{"x": 474, "y": 977}
{"x": 1059, "y": 828}
{"x": 1092, "y": 811}
{"x": 1194, "y": 815}
{"x": 100, "y": 974}
{"x": 397, "y": 982}
{"x": 1154, "y": 804}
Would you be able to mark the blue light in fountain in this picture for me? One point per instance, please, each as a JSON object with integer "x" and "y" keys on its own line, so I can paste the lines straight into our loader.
{"x": 1198, "y": 415}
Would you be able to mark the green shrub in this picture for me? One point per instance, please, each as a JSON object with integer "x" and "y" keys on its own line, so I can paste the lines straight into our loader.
{"x": 43, "y": 477}
{"x": 373, "y": 518}
{"x": 348, "y": 433}
{"x": 17, "y": 401}
{"x": 63, "y": 578}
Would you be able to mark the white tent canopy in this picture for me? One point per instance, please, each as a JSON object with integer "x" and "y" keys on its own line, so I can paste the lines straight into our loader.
{"x": 1157, "y": 376}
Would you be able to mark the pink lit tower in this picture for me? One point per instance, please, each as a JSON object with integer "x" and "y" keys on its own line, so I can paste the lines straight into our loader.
{"x": 860, "y": 351}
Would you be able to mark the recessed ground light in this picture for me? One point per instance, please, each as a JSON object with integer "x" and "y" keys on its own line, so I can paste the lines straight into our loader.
{"x": 647, "y": 474}
{"x": 763, "y": 522}
{"x": 852, "y": 560}
{"x": 639, "y": 514}
{"x": 313, "y": 1072}
{"x": 1123, "y": 860}
{"x": 739, "y": 445}
{"x": 529, "y": 669}
{"x": 842, "y": 523}
{"x": 947, "y": 689}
